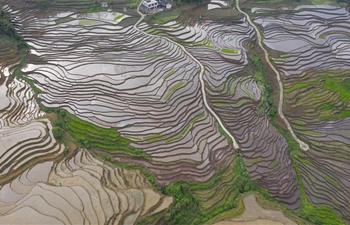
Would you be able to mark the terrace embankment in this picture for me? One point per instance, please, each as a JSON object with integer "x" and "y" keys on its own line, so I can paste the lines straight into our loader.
{"x": 79, "y": 190}
{"x": 24, "y": 139}
{"x": 314, "y": 51}
{"x": 113, "y": 76}
{"x": 234, "y": 96}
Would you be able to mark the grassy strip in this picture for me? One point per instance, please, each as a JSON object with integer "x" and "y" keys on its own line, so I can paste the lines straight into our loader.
{"x": 154, "y": 54}
{"x": 168, "y": 74}
{"x": 165, "y": 16}
{"x": 239, "y": 103}
{"x": 307, "y": 211}
{"x": 190, "y": 124}
{"x": 91, "y": 136}
{"x": 118, "y": 17}
{"x": 330, "y": 180}
{"x": 64, "y": 20}
{"x": 250, "y": 162}
{"x": 94, "y": 9}
{"x": 173, "y": 89}
{"x": 234, "y": 85}
{"x": 221, "y": 130}
{"x": 173, "y": 139}
{"x": 229, "y": 51}
{"x": 188, "y": 207}
{"x": 265, "y": 103}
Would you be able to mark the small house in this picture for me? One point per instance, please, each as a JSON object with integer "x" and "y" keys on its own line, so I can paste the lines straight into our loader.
{"x": 150, "y": 4}
{"x": 104, "y": 4}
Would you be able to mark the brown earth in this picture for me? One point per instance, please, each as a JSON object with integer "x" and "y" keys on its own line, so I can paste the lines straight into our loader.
{"x": 254, "y": 214}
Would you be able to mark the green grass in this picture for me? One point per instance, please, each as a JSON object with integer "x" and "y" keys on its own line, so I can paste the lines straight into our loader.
{"x": 331, "y": 180}
{"x": 165, "y": 16}
{"x": 319, "y": 2}
{"x": 250, "y": 162}
{"x": 156, "y": 40}
{"x": 173, "y": 89}
{"x": 198, "y": 203}
{"x": 229, "y": 51}
{"x": 221, "y": 104}
{"x": 94, "y": 9}
{"x": 190, "y": 124}
{"x": 154, "y": 54}
{"x": 154, "y": 137}
{"x": 300, "y": 85}
{"x": 64, "y": 20}
{"x": 118, "y": 17}
{"x": 168, "y": 74}
{"x": 309, "y": 212}
{"x": 91, "y": 136}
{"x": 221, "y": 130}
{"x": 279, "y": 60}
{"x": 274, "y": 163}
{"x": 234, "y": 85}
{"x": 133, "y": 138}
{"x": 173, "y": 139}
{"x": 286, "y": 55}
{"x": 338, "y": 85}
{"x": 241, "y": 102}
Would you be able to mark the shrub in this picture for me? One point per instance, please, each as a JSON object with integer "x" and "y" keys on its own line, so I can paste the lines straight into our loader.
{"x": 57, "y": 132}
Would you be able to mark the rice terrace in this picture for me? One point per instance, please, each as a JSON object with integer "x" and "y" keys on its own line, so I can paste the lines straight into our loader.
{"x": 185, "y": 112}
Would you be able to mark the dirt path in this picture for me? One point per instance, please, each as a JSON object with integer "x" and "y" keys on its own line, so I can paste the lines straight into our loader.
{"x": 302, "y": 144}
{"x": 253, "y": 214}
{"x": 201, "y": 75}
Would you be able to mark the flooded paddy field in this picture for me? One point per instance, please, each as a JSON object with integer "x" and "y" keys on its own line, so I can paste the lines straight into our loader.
{"x": 314, "y": 61}
{"x": 234, "y": 96}
{"x": 187, "y": 98}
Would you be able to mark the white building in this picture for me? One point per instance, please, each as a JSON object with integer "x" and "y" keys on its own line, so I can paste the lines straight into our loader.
{"x": 104, "y": 4}
{"x": 150, "y": 4}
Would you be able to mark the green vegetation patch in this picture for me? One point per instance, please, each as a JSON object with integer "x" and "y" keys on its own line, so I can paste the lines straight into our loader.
{"x": 173, "y": 89}
{"x": 154, "y": 54}
{"x": 221, "y": 130}
{"x": 64, "y": 20}
{"x": 173, "y": 139}
{"x": 229, "y": 51}
{"x": 266, "y": 90}
{"x": 7, "y": 29}
{"x": 253, "y": 161}
{"x": 165, "y": 16}
{"x": 94, "y": 9}
{"x": 199, "y": 203}
{"x": 168, "y": 74}
{"x": 338, "y": 84}
{"x": 91, "y": 136}
{"x": 118, "y": 17}
{"x": 307, "y": 211}
{"x": 190, "y": 124}
{"x": 330, "y": 180}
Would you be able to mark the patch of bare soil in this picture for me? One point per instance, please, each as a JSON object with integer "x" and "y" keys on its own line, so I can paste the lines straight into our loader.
{"x": 254, "y": 214}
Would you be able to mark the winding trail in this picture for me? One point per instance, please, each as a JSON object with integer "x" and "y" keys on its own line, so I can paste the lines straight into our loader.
{"x": 302, "y": 144}
{"x": 201, "y": 75}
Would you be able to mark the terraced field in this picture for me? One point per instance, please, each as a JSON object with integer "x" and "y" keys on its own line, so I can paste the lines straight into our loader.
{"x": 310, "y": 47}
{"x": 172, "y": 123}
{"x": 145, "y": 87}
{"x": 234, "y": 94}
{"x": 79, "y": 190}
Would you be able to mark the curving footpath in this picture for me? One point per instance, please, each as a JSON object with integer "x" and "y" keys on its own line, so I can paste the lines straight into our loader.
{"x": 201, "y": 74}
{"x": 302, "y": 144}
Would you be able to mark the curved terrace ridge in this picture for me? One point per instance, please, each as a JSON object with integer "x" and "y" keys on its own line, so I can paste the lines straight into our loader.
{"x": 302, "y": 144}
{"x": 201, "y": 75}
